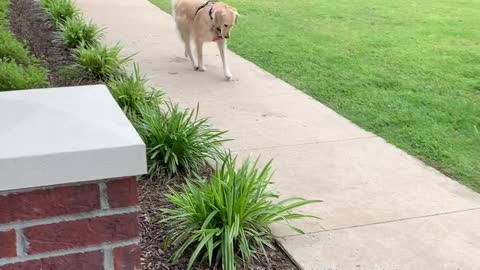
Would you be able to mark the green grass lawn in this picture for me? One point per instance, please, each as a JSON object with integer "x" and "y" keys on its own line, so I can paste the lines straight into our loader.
{"x": 408, "y": 71}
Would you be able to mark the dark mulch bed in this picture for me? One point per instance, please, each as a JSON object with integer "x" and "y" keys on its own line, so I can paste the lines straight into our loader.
{"x": 155, "y": 255}
{"x": 31, "y": 25}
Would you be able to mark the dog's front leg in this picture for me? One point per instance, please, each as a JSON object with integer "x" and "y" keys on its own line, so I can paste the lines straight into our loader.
{"x": 222, "y": 47}
{"x": 199, "y": 45}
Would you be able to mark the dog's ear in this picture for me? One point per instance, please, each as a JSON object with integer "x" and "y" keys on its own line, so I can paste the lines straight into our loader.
{"x": 236, "y": 17}
{"x": 235, "y": 13}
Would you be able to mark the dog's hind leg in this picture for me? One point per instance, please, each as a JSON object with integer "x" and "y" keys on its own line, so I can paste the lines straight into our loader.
{"x": 188, "y": 47}
{"x": 199, "y": 47}
{"x": 222, "y": 47}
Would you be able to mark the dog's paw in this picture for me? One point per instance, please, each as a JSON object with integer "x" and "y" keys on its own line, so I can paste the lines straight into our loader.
{"x": 202, "y": 68}
{"x": 228, "y": 76}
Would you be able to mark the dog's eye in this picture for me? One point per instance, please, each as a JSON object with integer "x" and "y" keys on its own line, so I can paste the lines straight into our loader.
{"x": 225, "y": 25}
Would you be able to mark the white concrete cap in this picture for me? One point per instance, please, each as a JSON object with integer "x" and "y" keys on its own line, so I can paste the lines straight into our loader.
{"x": 65, "y": 135}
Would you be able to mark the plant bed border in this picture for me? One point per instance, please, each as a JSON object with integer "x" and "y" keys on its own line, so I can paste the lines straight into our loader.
{"x": 27, "y": 21}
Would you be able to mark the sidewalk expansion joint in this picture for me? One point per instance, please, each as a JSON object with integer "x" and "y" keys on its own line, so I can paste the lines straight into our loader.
{"x": 385, "y": 222}
{"x": 306, "y": 143}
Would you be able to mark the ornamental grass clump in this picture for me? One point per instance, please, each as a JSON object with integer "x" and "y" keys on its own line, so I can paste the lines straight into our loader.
{"x": 60, "y": 10}
{"x": 131, "y": 93}
{"x": 76, "y": 32}
{"x": 225, "y": 220}
{"x": 177, "y": 140}
{"x": 100, "y": 62}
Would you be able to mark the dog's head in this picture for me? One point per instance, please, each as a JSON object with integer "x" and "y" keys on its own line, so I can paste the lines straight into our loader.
{"x": 225, "y": 18}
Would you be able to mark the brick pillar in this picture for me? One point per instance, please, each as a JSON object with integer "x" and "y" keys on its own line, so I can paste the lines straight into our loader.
{"x": 89, "y": 226}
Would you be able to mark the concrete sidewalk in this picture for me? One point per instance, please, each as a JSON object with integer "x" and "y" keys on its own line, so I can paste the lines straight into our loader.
{"x": 383, "y": 209}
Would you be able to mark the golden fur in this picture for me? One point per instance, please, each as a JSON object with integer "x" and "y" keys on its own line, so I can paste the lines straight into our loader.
{"x": 213, "y": 21}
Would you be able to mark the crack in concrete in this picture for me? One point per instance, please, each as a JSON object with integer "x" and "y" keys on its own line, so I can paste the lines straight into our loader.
{"x": 385, "y": 222}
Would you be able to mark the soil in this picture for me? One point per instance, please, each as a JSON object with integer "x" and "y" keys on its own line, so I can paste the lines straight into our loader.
{"x": 31, "y": 25}
{"x": 156, "y": 254}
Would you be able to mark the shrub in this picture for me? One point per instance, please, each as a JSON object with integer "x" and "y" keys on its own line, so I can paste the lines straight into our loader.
{"x": 4, "y": 22}
{"x": 75, "y": 32}
{"x": 60, "y": 10}
{"x": 12, "y": 49}
{"x": 130, "y": 93}
{"x": 227, "y": 218}
{"x": 176, "y": 139}
{"x": 16, "y": 77}
{"x": 100, "y": 62}
{"x": 18, "y": 68}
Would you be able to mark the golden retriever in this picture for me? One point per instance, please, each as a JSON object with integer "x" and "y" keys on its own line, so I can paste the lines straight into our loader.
{"x": 204, "y": 21}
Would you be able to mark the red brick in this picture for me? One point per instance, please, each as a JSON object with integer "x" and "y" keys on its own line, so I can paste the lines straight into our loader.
{"x": 122, "y": 192}
{"x": 81, "y": 233}
{"x": 80, "y": 261}
{"x": 53, "y": 202}
{"x": 127, "y": 258}
{"x": 8, "y": 240}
